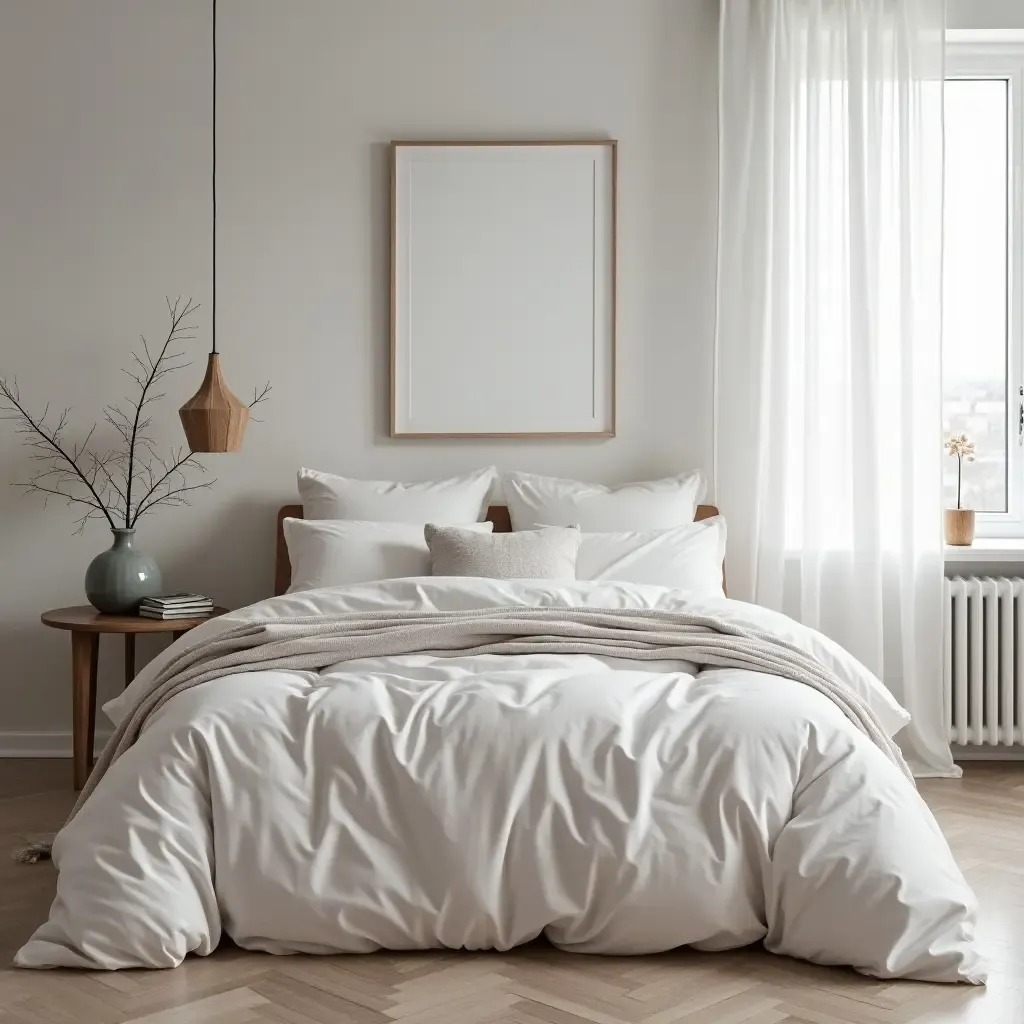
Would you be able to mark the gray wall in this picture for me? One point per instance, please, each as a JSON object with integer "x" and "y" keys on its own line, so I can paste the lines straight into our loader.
{"x": 985, "y": 14}
{"x": 104, "y": 209}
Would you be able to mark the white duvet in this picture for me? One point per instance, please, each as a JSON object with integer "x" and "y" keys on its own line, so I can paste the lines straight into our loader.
{"x": 415, "y": 801}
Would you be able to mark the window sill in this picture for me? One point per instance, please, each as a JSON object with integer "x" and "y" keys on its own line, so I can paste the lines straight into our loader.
{"x": 987, "y": 549}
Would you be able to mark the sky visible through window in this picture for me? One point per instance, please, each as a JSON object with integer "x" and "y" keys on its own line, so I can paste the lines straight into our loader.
{"x": 974, "y": 309}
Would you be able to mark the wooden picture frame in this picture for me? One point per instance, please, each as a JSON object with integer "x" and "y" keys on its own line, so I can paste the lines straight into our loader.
{"x": 503, "y": 289}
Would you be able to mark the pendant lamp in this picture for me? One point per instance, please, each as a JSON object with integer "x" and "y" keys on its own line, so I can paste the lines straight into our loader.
{"x": 214, "y": 420}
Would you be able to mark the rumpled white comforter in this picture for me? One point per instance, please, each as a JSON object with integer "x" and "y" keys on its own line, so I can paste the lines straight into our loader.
{"x": 416, "y": 801}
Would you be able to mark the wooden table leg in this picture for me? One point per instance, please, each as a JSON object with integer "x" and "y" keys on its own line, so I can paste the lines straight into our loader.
{"x": 129, "y": 658}
{"x": 84, "y": 653}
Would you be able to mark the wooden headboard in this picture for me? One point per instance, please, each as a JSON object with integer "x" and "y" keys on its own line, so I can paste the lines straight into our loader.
{"x": 497, "y": 514}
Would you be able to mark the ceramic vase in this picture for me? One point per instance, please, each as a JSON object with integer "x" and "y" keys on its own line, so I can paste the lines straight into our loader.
{"x": 959, "y": 524}
{"x": 119, "y": 578}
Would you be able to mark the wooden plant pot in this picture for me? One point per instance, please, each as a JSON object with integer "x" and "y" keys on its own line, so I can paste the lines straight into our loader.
{"x": 959, "y": 524}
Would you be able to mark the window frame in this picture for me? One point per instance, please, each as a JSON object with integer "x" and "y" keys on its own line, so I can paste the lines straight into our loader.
{"x": 1005, "y": 60}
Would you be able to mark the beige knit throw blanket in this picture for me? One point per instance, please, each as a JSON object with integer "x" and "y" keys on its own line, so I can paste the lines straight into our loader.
{"x": 315, "y": 642}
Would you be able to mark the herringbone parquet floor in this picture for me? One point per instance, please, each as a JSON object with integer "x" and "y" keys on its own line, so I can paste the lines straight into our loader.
{"x": 983, "y": 816}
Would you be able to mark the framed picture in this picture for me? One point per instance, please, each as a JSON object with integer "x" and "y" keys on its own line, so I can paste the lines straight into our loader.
{"x": 503, "y": 289}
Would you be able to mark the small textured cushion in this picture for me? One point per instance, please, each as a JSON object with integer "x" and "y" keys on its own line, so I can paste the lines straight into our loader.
{"x": 547, "y": 554}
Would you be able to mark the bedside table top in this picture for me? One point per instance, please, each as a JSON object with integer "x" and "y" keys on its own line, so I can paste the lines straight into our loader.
{"x": 83, "y": 618}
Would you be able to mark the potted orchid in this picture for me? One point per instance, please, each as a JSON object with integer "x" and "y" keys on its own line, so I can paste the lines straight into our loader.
{"x": 959, "y": 522}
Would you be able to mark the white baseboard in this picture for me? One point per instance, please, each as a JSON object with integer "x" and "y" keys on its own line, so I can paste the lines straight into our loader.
{"x": 42, "y": 744}
{"x": 988, "y": 753}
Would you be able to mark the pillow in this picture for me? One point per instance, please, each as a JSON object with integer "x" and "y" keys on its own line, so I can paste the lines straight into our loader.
{"x": 333, "y": 552}
{"x": 548, "y": 554}
{"x": 655, "y": 505}
{"x": 461, "y": 499}
{"x": 686, "y": 557}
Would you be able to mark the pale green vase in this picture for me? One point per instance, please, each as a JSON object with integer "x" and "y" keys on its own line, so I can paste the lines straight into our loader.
{"x": 119, "y": 578}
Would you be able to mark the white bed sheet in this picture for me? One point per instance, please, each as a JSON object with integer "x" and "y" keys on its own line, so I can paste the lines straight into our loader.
{"x": 411, "y": 802}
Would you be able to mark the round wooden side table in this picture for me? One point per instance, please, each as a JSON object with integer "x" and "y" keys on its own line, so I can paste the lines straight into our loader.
{"x": 86, "y": 624}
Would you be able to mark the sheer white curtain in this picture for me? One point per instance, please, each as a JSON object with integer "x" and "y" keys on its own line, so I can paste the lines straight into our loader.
{"x": 828, "y": 399}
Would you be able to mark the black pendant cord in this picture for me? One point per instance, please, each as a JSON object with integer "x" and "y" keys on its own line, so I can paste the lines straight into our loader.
{"x": 213, "y": 329}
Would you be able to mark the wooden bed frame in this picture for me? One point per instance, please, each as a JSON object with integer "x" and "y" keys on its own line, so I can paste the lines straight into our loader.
{"x": 497, "y": 514}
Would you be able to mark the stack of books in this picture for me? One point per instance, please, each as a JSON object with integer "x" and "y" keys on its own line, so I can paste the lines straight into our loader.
{"x": 176, "y": 606}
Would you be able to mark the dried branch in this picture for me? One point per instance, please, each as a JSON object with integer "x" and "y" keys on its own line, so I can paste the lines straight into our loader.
{"x": 42, "y": 438}
{"x": 95, "y": 511}
{"x": 261, "y": 396}
{"x": 108, "y": 482}
{"x": 172, "y": 497}
{"x": 101, "y": 464}
{"x": 164, "y": 488}
{"x": 156, "y": 370}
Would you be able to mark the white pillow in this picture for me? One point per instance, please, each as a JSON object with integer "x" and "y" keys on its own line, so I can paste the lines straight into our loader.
{"x": 655, "y": 505}
{"x": 459, "y": 500}
{"x": 335, "y": 552}
{"x": 686, "y": 557}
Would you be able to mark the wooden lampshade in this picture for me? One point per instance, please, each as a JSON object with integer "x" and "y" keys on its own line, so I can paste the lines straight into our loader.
{"x": 213, "y": 418}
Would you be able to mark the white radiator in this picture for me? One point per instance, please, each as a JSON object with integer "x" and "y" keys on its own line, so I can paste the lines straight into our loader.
{"x": 984, "y": 660}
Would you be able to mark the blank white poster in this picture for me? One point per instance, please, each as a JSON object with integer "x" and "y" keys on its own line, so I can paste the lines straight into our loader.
{"x": 503, "y": 290}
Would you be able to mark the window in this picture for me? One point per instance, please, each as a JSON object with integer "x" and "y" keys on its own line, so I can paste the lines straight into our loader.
{"x": 981, "y": 354}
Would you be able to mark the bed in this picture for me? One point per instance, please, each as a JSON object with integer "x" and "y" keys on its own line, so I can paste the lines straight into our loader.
{"x": 480, "y": 796}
